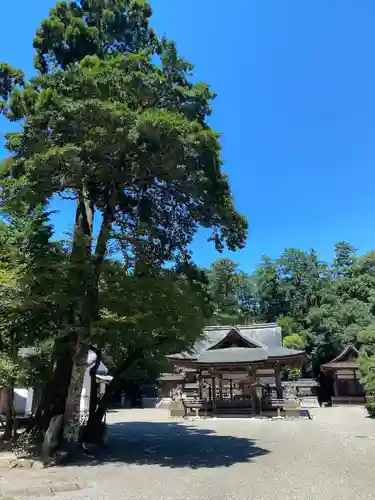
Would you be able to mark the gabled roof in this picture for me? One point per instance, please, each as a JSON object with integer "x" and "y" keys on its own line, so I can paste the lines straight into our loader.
{"x": 233, "y": 355}
{"x": 262, "y": 335}
{"x": 344, "y": 354}
{"x": 235, "y": 337}
{"x": 280, "y": 352}
{"x": 349, "y": 349}
{"x": 245, "y": 355}
{"x": 342, "y": 361}
{"x": 257, "y": 342}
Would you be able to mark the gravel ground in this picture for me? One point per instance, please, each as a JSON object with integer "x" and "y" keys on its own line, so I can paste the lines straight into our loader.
{"x": 154, "y": 458}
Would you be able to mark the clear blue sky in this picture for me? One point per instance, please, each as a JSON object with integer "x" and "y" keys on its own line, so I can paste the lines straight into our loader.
{"x": 296, "y": 109}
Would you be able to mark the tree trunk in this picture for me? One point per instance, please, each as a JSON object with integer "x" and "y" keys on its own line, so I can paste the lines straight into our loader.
{"x": 63, "y": 393}
{"x": 90, "y": 304}
{"x": 55, "y": 391}
{"x": 81, "y": 320}
{"x": 9, "y": 413}
{"x": 72, "y": 412}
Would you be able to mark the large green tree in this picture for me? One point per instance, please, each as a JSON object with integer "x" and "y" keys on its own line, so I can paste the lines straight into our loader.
{"x": 322, "y": 307}
{"x": 29, "y": 276}
{"x": 367, "y": 358}
{"x": 271, "y": 300}
{"x": 302, "y": 280}
{"x": 113, "y": 122}
{"x": 233, "y": 293}
{"x": 345, "y": 258}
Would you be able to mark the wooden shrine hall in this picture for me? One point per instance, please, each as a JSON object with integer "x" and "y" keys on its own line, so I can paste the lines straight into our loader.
{"x": 345, "y": 376}
{"x": 234, "y": 368}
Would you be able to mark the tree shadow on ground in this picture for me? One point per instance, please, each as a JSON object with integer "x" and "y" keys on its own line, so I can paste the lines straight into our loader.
{"x": 172, "y": 445}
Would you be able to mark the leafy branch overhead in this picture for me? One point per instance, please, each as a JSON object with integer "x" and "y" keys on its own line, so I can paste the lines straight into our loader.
{"x": 162, "y": 176}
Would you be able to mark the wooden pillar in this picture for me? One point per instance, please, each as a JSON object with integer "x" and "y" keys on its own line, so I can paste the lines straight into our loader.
{"x": 231, "y": 389}
{"x": 213, "y": 394}
{"x": 200, "y": 383}
{"x": 252, "y": 390}
{"x": 335, "y": 386}
{"x": 279, "y": 388}
{"x": 356, "y": 382}
{"x": 221, "y": 387}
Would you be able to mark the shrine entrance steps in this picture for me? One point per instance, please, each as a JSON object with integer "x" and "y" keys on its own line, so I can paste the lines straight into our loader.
{"x": 231, "y": 409}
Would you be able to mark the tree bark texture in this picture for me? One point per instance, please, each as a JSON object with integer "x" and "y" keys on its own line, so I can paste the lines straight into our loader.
{"x": 90, "y": 300}
{"x": 82, "y": 317}
{"x": 9, "y": 413}
{"x": 62, "y": 393}
{"x": 55, "y": 391}
{"x": 72, "y": 412}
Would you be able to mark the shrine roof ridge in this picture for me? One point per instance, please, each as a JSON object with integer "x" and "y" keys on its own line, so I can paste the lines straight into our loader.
{"x": 261, "y": 338}
{"x": 340, "y": 359}
{"x": 241, "y": 327}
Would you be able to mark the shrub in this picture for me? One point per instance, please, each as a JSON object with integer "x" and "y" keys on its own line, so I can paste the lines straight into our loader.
{"x": 370, "y": 407}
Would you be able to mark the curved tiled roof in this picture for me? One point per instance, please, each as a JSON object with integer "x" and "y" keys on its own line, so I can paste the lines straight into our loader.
{"x": 278, "y": 352}
{"x": 343, "y": 354}
{"x": 342, "y": 361}
{"x": 264, "y": 336}
{"x": 233, "y": 355}
{"x": 268, "y": 334}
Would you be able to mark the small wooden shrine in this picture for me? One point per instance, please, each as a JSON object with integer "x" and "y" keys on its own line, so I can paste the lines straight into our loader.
{"x": 344, "y": 370}
{"x": 234, "y": 368}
